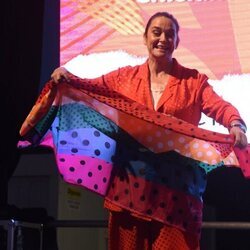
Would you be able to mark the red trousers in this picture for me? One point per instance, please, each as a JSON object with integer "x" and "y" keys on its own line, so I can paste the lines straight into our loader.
{"x": 127, "y": 232}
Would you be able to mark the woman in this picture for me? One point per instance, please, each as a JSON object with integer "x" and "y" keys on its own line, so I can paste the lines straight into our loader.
{"x": 163, "y": 85}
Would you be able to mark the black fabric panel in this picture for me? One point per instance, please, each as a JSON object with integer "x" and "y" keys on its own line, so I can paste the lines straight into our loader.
{"x": 21, "y": 48}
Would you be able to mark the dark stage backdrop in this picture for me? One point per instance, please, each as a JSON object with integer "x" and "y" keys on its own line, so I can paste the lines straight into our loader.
{"x": 29, "y": 52}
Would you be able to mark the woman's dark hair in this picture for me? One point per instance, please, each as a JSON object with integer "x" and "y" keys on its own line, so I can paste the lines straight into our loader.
{"x": 160, "y": 14}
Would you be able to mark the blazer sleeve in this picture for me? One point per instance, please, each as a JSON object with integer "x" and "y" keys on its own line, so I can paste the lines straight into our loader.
{"x": 215, "y": 106}
{"x": 111, "y": 80}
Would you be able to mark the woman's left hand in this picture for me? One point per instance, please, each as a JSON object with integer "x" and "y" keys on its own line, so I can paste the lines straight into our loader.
{"x": 240, "y": 137}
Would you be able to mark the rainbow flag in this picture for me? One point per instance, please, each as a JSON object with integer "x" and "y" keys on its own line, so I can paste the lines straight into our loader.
{"x": 127, "y": 153}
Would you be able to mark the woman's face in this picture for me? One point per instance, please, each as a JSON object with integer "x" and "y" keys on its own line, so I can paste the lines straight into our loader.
{"x": 161, "y": 38}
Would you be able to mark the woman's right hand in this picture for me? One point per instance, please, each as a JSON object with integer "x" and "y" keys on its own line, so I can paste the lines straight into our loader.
{"x": 60, "y": 74}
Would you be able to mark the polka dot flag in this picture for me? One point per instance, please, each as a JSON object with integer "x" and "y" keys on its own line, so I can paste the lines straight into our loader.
{"x": 144, "y": 161}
